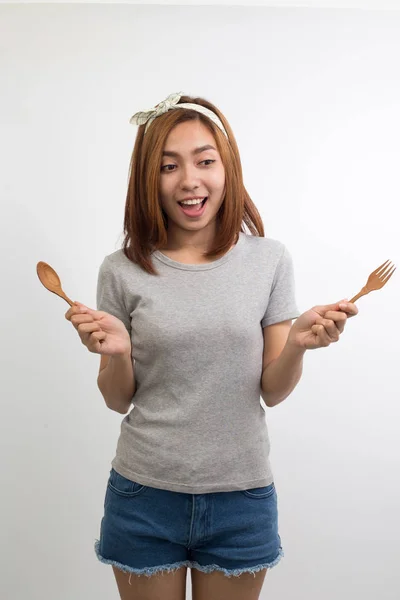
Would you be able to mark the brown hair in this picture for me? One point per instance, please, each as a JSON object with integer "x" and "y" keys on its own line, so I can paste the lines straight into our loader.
{"x": 145, "y": 222}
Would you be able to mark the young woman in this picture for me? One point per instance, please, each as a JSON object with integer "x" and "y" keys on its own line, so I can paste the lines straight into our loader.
{"x": 194, "y": 324}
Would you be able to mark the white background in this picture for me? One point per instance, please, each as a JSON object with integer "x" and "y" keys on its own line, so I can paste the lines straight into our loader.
{"x": 313, "y": 97}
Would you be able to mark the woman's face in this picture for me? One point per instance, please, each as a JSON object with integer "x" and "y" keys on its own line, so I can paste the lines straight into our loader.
{"x": 191, "y": 167}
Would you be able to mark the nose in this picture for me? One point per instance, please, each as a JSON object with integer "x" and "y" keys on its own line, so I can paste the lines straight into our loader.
{"x": 189, "y": 178}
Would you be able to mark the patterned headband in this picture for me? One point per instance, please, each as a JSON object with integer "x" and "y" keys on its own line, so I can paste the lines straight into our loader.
{"x": 148, "y": 116}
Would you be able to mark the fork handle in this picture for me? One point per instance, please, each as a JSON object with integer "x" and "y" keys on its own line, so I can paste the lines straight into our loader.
{"x": 362, "y": 292}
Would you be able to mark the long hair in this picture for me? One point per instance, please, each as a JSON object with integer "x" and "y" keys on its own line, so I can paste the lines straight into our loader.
{"x": 145, "y": 222}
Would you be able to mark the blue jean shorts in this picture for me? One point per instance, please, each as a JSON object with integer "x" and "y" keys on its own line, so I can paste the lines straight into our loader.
{"x": 146, "y": 530}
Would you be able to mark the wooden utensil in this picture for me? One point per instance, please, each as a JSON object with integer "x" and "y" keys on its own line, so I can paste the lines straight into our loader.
{"x": 51, "y": 280}
{"x": 376, "y": 280}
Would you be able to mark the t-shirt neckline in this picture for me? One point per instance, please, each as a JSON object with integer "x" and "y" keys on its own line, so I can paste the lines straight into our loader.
{"x": 203, "y": 266}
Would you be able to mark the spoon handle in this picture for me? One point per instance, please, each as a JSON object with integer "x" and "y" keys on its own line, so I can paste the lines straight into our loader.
{"x": 63, "y": 295}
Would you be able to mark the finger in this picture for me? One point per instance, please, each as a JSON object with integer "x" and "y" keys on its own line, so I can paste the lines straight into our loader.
{"x": 75, "y": 310}
{"x": 79, "y": 304}
{"x": 86, "y": 328}
{"x": 322, "y": 338}
{"x": 99, "y": 335}
{"x": 339, "y": 318}
{"x": 330, "y": 327}
{"x": 323, "y": 308}
{"x": 94, "y": 342}
{"x": 82, "y": 308}
{"x": 78, "y": 319}
{"x": 96, "y": 314}
{"x": 89, "y": 338}
{"x": 349, "y": 307}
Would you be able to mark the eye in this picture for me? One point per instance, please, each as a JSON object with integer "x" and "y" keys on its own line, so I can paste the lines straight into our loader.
{"x": 166, "y": 170}
{"x": 165, "y": 167}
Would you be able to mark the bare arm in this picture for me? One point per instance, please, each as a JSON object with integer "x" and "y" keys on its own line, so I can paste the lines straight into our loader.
{"x": 281, "y": 376}
{"x": 116, "y": 382}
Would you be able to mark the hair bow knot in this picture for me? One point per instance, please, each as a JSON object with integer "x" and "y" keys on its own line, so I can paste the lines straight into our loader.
{"x": 147, "y": 116}
{"x": 172, "y": 102}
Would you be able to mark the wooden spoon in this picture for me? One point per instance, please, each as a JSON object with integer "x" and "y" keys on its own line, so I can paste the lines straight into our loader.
{"x": 51, "y": 280}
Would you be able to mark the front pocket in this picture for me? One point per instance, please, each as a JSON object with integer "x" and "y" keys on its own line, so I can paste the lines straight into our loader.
{"x": 260, "y": 492}
{"x": 124, "y": 487}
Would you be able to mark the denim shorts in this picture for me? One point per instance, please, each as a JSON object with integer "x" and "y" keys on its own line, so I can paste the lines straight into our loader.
{"x": 146, "y": 530}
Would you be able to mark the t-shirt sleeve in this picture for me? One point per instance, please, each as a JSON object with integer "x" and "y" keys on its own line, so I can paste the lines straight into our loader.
{"x": 110, "y": 293}
{"x": 282, "y": 304}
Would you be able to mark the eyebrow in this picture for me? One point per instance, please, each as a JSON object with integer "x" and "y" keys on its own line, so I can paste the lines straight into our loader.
{"x": 195, "y": 151}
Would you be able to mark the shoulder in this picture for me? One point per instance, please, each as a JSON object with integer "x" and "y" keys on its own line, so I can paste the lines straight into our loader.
{"x": 118, "y": 261}
{"x": 120, "y": 270}
{"x": 264, "y": 246}
{"x": 265, "y": 257}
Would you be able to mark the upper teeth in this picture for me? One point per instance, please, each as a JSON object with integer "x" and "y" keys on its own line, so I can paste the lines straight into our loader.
{"x": 192, "y": 201}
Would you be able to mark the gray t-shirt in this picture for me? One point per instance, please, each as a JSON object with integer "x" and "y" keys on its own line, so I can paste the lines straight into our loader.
{"x": 197, "y": 424}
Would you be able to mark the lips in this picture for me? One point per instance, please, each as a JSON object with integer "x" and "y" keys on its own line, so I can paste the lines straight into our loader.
{"x": 194, "y": 211}
{"x": 181, "y": 201}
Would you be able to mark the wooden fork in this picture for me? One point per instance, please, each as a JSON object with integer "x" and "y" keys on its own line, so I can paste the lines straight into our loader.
{"x": 376, "y": 280}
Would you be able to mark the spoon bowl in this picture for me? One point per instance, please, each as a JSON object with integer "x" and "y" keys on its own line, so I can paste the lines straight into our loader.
{"x": 51, "y": 281}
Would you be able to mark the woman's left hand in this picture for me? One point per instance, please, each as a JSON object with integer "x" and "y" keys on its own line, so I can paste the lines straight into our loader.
{"x": 321, "y": 325}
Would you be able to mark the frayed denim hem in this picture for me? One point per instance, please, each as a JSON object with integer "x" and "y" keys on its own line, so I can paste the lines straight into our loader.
{"x": 148, "y": 571}
{"x": 237, "y": 572}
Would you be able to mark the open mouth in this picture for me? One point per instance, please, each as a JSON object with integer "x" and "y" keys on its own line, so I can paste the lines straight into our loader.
{"x": 194, "y": 211}
{"x": 194, "y": 206}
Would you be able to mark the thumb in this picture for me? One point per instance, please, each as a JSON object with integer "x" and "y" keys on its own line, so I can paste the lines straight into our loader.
{"x": 83, "y": 306}
{"x": 97, "y": 315}
{"x": 336, "y": 306}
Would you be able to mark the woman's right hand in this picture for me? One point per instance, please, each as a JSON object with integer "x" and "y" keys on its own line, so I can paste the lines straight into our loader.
{"x": 99, "y": 331}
